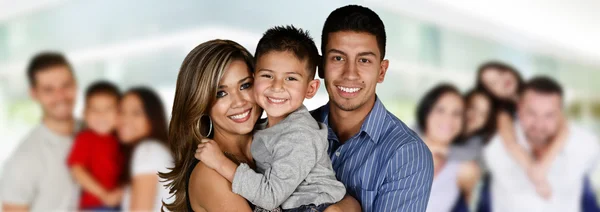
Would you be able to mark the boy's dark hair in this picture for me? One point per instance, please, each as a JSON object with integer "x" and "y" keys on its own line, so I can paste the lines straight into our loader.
{"x": 102, "y": 87}
{"x": 44, "y": 60}
{"x": 543, "y": 84}
{"x": 294, "y": 40}
{"x": 357, "y": 19}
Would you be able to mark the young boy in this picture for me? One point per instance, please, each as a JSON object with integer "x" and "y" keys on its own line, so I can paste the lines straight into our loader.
{"x": 95, "y": 160}
{"x": 290, "y": 150}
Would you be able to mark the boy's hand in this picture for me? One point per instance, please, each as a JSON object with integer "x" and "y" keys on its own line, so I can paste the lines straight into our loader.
{"x": 113, "y": 198}
{"x": 210, "y": 154}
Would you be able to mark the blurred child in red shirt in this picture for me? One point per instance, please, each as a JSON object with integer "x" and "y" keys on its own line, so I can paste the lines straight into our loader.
{"x": 95, "y": 159}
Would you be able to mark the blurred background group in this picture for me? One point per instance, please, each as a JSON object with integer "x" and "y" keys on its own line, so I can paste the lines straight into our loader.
{"x": 431, "y": 44}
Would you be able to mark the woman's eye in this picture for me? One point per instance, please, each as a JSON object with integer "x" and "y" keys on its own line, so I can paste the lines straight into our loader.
{"x": 221, "y": 94}
{"x": 245, "y": 86}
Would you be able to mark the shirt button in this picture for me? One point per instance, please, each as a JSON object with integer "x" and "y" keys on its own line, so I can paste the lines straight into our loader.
{"x": 337, "y": 153}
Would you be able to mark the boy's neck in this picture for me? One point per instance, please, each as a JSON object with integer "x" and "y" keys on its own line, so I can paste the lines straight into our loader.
{"x": 61, "y": 127}
{"x": 346, "y": 124}
{"x": 272, "y": 121}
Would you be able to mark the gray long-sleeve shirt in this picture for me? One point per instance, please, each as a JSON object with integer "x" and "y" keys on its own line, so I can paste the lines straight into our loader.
{"x": 292, "y": 163}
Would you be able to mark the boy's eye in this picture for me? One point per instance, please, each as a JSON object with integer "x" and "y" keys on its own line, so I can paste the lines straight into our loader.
{"x": 291, "y": 79}
{"x": 221, "y": 94}
{"x": 246, "y": 86}
{"x": 363, "y": 60}
{"x": 266, "y": 76}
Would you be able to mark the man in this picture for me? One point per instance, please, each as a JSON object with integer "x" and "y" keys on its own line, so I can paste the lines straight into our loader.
{"x": 540, "y": 114}
{"x": 36, "y": 177}
{"x": 382, "y": 163}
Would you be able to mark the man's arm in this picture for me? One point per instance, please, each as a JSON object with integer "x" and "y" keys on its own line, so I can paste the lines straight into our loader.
{"x": 409, "y": 175}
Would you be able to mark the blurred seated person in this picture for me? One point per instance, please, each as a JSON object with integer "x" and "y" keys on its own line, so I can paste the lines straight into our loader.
{"x": 540, "y": 117}
{"x": 480, "y": 126}
{"x": 440, "y": 117}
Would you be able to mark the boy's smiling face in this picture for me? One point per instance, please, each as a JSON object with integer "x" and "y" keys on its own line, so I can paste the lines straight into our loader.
{"x": 281, "y": 83}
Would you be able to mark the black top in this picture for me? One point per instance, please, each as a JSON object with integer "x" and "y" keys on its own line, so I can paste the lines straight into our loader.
{"x": 187, "y": 184}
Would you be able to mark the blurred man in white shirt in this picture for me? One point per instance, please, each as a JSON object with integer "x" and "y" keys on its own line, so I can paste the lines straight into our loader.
{"x": 540, "y": 118}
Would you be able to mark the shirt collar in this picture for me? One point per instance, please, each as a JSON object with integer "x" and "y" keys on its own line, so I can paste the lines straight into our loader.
{"x": 371, "y": 126}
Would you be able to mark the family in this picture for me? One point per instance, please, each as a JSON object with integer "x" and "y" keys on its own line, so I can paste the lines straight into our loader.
{"x": 216, "y": 154}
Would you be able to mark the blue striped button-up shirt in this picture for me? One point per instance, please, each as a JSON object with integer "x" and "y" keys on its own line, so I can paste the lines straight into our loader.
{"x": 385, "y": 166}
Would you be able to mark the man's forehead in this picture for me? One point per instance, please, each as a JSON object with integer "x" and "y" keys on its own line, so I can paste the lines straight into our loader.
{"x": 352, "y": 42}
{"x": 534, "y": 97}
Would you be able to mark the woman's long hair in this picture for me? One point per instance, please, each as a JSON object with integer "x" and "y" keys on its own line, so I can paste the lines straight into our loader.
{"x": 195, "y": 94}
{"x": 489, "y": 127}
{"x": 155, "y": 113}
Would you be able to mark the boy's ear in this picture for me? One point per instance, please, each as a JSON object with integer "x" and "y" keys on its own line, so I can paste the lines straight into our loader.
{"x": 313, "y": 87}
{"x": 320, "y": 67}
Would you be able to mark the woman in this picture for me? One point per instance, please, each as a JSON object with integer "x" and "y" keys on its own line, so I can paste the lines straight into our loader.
{"x": 213, "y": 99}
{"x": 480, "y": 125}
{"x": 143, "y": 132}
{"x": 440, "y": 117}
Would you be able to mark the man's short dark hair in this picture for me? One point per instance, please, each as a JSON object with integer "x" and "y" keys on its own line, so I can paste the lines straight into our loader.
{"x": 102, "y": 87}
{"x": 544, "y": 85}
{"x": 294, "y": 40}
{"x": 354, "y": 18}
{"x": 43, "y": 61}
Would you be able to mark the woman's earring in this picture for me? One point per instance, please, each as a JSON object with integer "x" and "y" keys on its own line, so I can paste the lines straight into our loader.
{"x": 210, "y": 126}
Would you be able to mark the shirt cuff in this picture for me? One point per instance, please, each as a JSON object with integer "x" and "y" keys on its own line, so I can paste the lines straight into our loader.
{"x": 237, "y": 186}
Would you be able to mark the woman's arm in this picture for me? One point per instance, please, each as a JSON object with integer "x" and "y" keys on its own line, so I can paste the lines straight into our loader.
{"x": 209, "y": 191}
{"x": 469, "y": 174}
{"x": 143, "y": 192}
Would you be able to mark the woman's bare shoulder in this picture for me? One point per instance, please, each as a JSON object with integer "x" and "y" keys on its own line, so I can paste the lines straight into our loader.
{"x": 208, "y": 189}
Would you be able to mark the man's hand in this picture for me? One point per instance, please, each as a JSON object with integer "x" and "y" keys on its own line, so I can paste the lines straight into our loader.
{"x": 210, "y": 154}
{"x": 333, "y": 208}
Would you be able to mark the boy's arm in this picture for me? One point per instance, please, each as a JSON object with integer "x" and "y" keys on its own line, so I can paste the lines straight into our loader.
{"x": 87, "y": 182}
{"x": 294, "y": 155}
{"x": 210, "y": 154}
{"x": 409, "y": 175}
